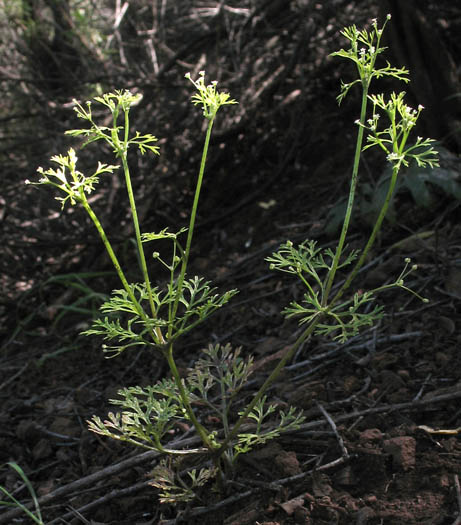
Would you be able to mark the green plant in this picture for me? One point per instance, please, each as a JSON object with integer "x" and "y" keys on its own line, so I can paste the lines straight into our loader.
{"x": 155, "y": 317}
{"x": 35, "y": 517}
{"x": 317, "y": 269}
{"x": 424, "y": 184}
{"x": 147, "y": 315}
{"x": 173, "y": 488}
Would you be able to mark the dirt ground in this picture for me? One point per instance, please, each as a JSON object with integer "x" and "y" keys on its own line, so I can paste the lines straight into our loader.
{"x": 381, "y": 441}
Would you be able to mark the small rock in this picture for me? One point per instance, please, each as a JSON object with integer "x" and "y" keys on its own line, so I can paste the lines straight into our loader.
{"x": 404, "y": 374}
{"x": 445, "y": 481}
{"x": 346, "y": 477}
{"x": 403, "y": 450}
{"x": 291, "y": 505}
{"x": 65, "y": 426}
{"x": 391, "y": 380}
{"x": 371, "y": 434}
{"x": 447, "y": 325}
{"x": 321, "y": 485}
{"x": 370, "y": 499}
{"x": 268, "y": 451}
{"x": 288, "y": 463}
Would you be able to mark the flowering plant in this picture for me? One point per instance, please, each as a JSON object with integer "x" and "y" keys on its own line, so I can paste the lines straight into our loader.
{"x": 147, "y": 315}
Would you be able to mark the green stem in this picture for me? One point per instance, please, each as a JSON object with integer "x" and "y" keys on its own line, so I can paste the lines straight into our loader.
{"x": 185, "y": 400}
{"x": 224, "y": 407}
{"x": 350, "y": 203}
{"x": 371, "y": 239}
{"x": 366, "y": 73}
{"x": 123, "y": 153}
{"x": 185, "y": 259}
{"x": 272, "y": 377}
{"x": 190, "y": 233}
{"x": 113, "y": 258}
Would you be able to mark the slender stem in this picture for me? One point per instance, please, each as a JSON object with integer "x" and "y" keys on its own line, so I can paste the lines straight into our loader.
{"x": 185, "y": 259}
{"x": 307, "y": 333}
{"x": 350, "y": 203}
{"x": 123, "y": 152}
{"x": 113, "y": 258}
{"x": 185, "y": 400}
{"x": 272, "y": 377}
{"x": 371, "y": 239}
{"x": 190, "y": 233}
{"x": 224, "y": 407}
{"x": 366, "y": 73}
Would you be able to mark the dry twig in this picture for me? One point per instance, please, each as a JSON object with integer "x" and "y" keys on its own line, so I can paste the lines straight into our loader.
{"x": 458, "y": 497}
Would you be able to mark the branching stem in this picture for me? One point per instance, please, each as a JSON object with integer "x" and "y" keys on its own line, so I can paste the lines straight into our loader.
{"x": 371, "y": 239}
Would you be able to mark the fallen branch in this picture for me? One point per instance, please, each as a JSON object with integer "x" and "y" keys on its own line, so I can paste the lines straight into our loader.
{"x": 97, "y": 476}
{"x": 458, "y": 497}
{"x": 410, "y": 405}
{"x": 201, "y": 511}
{"x": 146, "y": 456}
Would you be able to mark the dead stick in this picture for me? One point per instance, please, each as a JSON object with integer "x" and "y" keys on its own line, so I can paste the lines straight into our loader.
{"x": 201, "y": 511}
{"x": 458, "y": 497}
{"x": 332, "y": 424}
{"x": 141, "y": 458}
{"x": 384, "y": 408}
{"x": 97, "y": 476}
{"x": 121, "y": 493}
